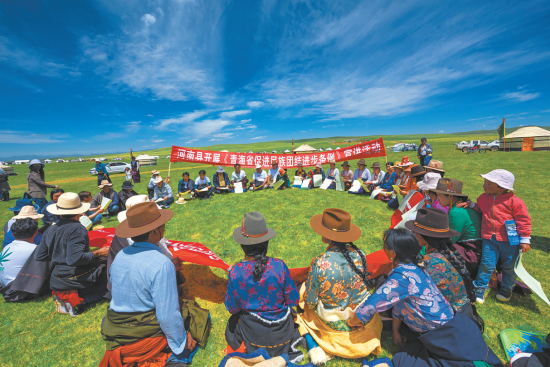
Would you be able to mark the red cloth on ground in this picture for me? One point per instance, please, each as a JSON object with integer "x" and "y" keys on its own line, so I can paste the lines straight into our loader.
{"x": 69, "y": 296}
{"x": 147, "y": 352}
{"x": 241, "y": 349}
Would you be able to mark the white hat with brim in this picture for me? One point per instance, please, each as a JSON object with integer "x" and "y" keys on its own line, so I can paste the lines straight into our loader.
{"x": 181, "y": 201}
{"x": 104, "y": 183}
{"x": 134, "y": 200}
{"x": 67, "y": 204}
{"x": 429, "y": 182}
{"x": 258, "y": 166}
{"x": 501, "y": 177}
{"x": 220, "y": 169}
{"x": 158, "y": 180}
{"x": 28, "y": 211}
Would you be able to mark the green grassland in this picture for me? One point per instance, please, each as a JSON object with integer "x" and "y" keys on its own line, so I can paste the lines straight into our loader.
{"x": 32, "y": 335}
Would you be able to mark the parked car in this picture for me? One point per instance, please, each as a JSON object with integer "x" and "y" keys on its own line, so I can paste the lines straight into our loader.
{"x": 113, "y": 167}
{"x": 493, "y": 146}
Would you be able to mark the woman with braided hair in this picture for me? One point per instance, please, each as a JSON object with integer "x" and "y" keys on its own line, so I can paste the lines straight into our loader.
{"x": 447, "y": 339}
{"x": 337, "y": 283}
{"x": 443, "y": 263}
{"x": 260, "y": 294}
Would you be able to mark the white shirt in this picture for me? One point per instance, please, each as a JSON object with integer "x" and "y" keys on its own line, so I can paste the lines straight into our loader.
{"x": 12, "y": 259}
{"x": 260, "y": 176}
{"x": 200, "y": 181}
{"x": 273, "y": 173}
{"x": 236, "y": 177}
{"x": 334, "y": 174}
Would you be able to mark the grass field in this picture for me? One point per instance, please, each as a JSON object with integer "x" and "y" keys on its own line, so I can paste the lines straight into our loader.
{"x": 32, "y": 335}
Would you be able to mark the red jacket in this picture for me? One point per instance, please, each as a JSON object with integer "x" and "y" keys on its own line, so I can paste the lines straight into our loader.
{"x": 496, "y": 209}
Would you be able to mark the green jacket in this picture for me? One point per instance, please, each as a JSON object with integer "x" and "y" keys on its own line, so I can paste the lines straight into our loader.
{"x": 465, "y": 221}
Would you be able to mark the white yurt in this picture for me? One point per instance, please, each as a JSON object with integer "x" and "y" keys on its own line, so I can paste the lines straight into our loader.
{"x": 527, "y": 139}
{"x": 305, "y": 149}
{"x": 146, "y": 160}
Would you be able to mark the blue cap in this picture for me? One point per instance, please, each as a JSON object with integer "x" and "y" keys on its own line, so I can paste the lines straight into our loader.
{"x": 36, "y": 161}
{"x": 19, "y": 204}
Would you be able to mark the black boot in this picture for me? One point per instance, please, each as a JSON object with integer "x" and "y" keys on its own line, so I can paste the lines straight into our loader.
{"x": 7, "y": 196}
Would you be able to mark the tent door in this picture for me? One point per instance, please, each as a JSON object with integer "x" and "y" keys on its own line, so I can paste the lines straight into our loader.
{"x": 527, "y": 144}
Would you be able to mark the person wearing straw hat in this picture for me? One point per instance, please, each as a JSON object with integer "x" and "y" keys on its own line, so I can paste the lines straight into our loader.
{"x": 126, "y": 193}
{"x": 260, "y": 179}
{"x": 376, "y": 178}
{"x": 361, "y": 173}
{"x": 163, "y": 193}
{"x": 28, "y": 211}
{"x": 260, "y": 294}
{"x": 144, "y": 287}
{"x": 151, "y": 185}
{"x": 426, "y": 186}
{"x": 37, "y": 188}
{"x": 17, "y": 251}
{"x": 78, "y": 277}
{"x": 106, "y": 191}
{"x": 19, "y": 204}
{"x": 347, "y": 176}
{"x": 221, "y": 182}
{"x": 436, "y": 167}
{"x": 446, "y": 266}
{"x": 448, "y": 338}
{"x": 337, "y": 283}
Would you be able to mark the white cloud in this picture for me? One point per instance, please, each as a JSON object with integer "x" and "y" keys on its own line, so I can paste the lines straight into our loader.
{"x": 441, "y": 131}
{"x": 20, "y": 137}
{"x": 545, "y": 111}
{"x": 184, "y": 118}
{"x": 255, "y": 104}
{"x": 248, "y": 120}
{"x": 149, "y": 115}
{"x": 223, "y": 135}
{"x": 148, "y": 19}
{"x": 109, "y": 136}
{"x": 258, "y": 137}
{"x": 231, "y": 114}
{"x": 338, "y": 125}
{"x": 156, "y": 140}
{"x": 520, "y": 96}
{"x": 132, "y": 126}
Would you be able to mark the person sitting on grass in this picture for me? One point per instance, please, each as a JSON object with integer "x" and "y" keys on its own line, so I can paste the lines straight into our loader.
{"x": 106, "y": 191}
{"x": 27, "y": 211}
{"x": 498, "y": 205}
{"x": 388, "y": 181}
{"x": 448, "y": 338}
{"x": 163, "y": 193}
{"x": 427, "y": 187}
{"x": 415, "y": 173}
{"x": 435, "y": 167}
{"x": 151, "y": 185}
{"x": 201, "y": 183}
{"x": 49, "y": 218}
{"x": 332, "y": 174}
{"x": 93, "y": 214}
{"x": 221, "y": 182}
{"x": 260, "y": 294}
{"x": 260, "y": 179}
{"x": 78, "y": 277}
{"x": 273, "y": 173}
{"x": 318, "y": 170}
{"x": 300, "y": 172}
{"x": 443, "y": 263}
{"x": 283, "y": 176}
{"x": 239, "y": 176}
{"x": 337, "y": 283}
{"x": 16, "y": 253}
{"x": 144, "y": 314}
{"x": 185, "y": 185}
{"x": 347, "y": 176}
{"x": 125, "y": 193}
{"x": 377, "y": 177}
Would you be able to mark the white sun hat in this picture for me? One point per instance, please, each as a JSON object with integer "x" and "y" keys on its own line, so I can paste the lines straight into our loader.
{"x": 429, "y": 182}
{"x": 67, "y": 204}
{"x": 501, "y": 177}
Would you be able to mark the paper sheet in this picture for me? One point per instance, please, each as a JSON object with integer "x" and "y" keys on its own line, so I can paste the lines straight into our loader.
{"x": 205, "y": 189}
{"x": 375, "y": 192}
{"x": 326, "y": 184}
{"x": 86, "y": 222}
{"x": 531, "y": 282}
{"x": 305, "y": 183}
{"x": 224, "y": 188}
{"x": 340, "y": 184}
{"x": 355, "y": 186}
{"x": 105, "y": 203}
{"x": 297, "y": 181}
{"x": 159, "y": 200}
{"x": 317, "y": 180}
{"x": 186, "y": 195}
{"x": 238, "y": 187}
{"x": 278, "y": 183}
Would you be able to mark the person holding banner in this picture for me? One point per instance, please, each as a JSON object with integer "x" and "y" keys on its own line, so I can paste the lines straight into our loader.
{"x": 347, "y": 175}
{"x": 239, "y": 176}
{"x": 221, "y": 182}
{"x": 332, "y": 173}
{"x": 203, "y": 187}
{"x": 260, "y": 179}
{"x": 260, "y": 294}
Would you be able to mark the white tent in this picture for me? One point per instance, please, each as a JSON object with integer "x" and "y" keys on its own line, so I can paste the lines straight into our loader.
{"x": 528, "y": 138}
{"x": 337, "y": 147}
{"x": 47, "y": 161}
{"x": 328, "y": 149}
{"x": 273, "y": 151}
{"x": 320, "y": 149}
{"x": 224, "y": 151}
{"x": 286, "y": 151}
{"x": 146, "y": 160}
{"x": 305, "y": 149}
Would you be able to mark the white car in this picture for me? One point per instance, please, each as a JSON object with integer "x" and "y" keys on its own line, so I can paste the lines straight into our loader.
{"x": 481, "y": 143}
{"x": 113, "y": 167}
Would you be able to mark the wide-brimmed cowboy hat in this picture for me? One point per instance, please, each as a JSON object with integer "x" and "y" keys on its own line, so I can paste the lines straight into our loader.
{"x": 274, "y": 162}
{"x": 429, "y": 182}
{"x": 155, "y": 172}
{"x": 449, "y": 186}
{"x": 67, "y": 204}
{"x": 181, "y": 201}
{"x": 126, "y": 185}
{"x": 142, "y": 218}
{"x": 158, "y": 180}
{"x": 253, "y": 230}
{"x": 299, "y": 163}
{"x": 220, "y": 169}
{"x": 501, "y": 177}
{"x": 335, "y": 225}
{"x": 104, "y": 183}
{"x": 361, "y": 162}
{"x": 132, "y": 201}
{"x": 28, "y": 211}
{"x": 417, "y": 171}
{"x": 332, "y": 161}
{"x": 435, "y": 165}
{"x": 375, "y": 165}
{"x": 258, "y": 166}
{"x": 431, "y": 222}
{"x": 345, "y": 164}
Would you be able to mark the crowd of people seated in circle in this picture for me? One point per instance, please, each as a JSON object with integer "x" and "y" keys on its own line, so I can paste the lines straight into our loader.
{"x": 441, "y": 265}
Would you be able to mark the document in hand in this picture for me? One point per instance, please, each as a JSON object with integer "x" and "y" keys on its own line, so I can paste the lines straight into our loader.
{"x": 86, "y": 222}
{"x": 531, "y": 282}
{"x": 278, "y": 183}
{"x": 355, "y": 186}
{"x": 317, "y": 180}
{"x": 340, "y": 184}
{"x": 224, "y": 188}
{"x": 238, "y": 187}
{"x": 159, "y": 200}
{"x": 297, "y": 182}
{"x": 305, "y": 183}
{"x": 105, "y": 203}
{"x": 326, "y": 184}
{"x": 186, "y": 195}
{"x": 205, "y": 189}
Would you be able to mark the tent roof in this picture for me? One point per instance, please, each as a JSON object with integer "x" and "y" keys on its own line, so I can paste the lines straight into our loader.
{"x": 305, "y": 148}
{"x": 286, "y": 151}
{"x": 528, "y": 132}
{"x": 144, "y": 156}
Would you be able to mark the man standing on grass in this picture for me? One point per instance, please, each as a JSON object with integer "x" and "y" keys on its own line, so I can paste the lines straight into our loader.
{"x": 144, "y": 323}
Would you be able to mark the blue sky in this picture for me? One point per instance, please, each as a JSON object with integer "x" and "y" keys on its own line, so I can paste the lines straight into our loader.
{"x": 84, "y": 77}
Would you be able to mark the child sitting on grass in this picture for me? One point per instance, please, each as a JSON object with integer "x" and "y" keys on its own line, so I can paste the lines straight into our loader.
{"x": 498, "y": 205}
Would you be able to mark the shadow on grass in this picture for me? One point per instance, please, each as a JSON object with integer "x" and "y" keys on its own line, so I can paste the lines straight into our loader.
{"x": 201, "y": 282}
{"x": 526, "y": 302}
{"x": 540, "y": 243}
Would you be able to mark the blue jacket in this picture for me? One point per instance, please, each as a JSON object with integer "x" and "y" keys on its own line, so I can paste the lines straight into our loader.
{"x": 9, "y": 238}
{"x": 162, "y": 192}
{"x": 49, "y": 218}
{"x": 217, "y": 180}
{"x": 388, "y": 181}
{"x": 185, "y": 186}
{"x": 101, "y": 167}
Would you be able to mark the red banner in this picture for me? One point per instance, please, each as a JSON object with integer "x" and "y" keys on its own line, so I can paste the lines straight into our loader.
{"x": 369, "y": 149}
